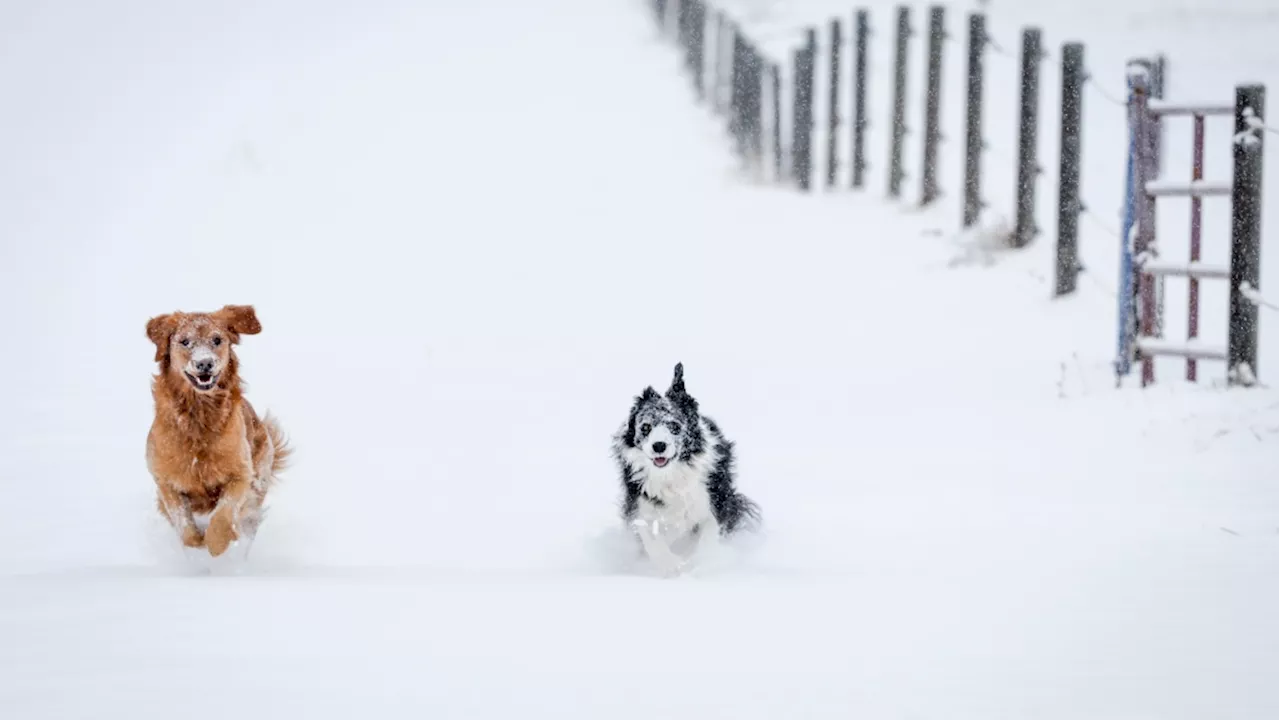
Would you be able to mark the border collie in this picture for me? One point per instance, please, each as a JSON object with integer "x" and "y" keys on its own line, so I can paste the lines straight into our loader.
{"x": 677, "y": 478}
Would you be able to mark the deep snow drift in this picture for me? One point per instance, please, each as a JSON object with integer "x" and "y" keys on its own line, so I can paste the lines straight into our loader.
{"x": 472, "y": 235}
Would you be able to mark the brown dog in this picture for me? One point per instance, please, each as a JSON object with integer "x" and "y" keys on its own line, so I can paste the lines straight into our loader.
{"x": 209, "y": 453}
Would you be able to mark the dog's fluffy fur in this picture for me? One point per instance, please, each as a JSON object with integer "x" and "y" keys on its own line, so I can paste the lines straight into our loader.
{"x": 212, "y": 458}
{"x": 677, "y": 473}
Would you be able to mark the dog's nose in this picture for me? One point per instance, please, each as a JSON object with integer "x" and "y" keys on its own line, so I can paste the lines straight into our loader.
{"x": 659, "y": 447}
{"x": 204, "y": 367}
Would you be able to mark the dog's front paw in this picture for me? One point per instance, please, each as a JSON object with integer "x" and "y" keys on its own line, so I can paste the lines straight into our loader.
{"x": 221, "y": 532}
{"x": 192, "y": 537}
{"x": 674, "y": 570}
{"x": 668, "y": 565}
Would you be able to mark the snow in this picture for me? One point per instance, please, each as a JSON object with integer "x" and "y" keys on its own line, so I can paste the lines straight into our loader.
{"x": 1193, "y": 188}
{"x": 1182, "y": 348}
{"x": 473, "y": 232}
{"x": 1188, "y": 269}
{"x": 1167, "y": 107}
{"x": 1255, "y": 297}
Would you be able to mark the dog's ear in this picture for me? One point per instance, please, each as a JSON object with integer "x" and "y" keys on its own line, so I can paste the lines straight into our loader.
{"x": 646, "y": 396}
{"x": 677, "y": 381}
{"x": 685, "y": 404}
{"x": 159, "y": 331}
{"x": 681, "y": 397}
{"x": 239, "y": 320}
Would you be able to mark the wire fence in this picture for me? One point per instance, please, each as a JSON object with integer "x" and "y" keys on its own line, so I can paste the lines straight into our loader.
{"x": 771, "y": 103}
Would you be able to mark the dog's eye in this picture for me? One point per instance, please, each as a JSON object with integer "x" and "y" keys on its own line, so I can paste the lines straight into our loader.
{"x": 675, "y": 428}
{"x": 645, "y": 428}
{"x": 185, "y": 342}
{"x": 217, "y": 341}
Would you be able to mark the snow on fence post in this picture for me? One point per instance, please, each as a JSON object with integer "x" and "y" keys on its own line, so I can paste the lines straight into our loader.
{"x": 1246, "y": 217}
{"x": 896, "y": 175}
{"x": 1153, "y": 125}
{"x": 860, "y": 97}
{"x": 755, "y": 107}
{"x": 1154, "y": 69}
{"x": 810, "y": 80}
{"x": 717, "y": 74}
{"x": 933, "y": 105}
{"x": 697, "y": 45}
{"x": 796, "y": 113}
{"x": 776, "y": 98}
{"x": 682, "y": 29}
{"x": 1028, "y": 118}
{"x": 744, "y": 95}
{"x": 1126, "y": 295}
{"x": 1069, "y": 206}
{"x": 973, "y": 121}
{"x": 811, "y": 46}
{"x": 802, "y": 113}
{"x": 1193, "y": 283}
{"x": 1156, "y": 92}
{"x": 833, "y": 103}
{"x": 1144, "y": 209}
{"x": 737, "y": 95}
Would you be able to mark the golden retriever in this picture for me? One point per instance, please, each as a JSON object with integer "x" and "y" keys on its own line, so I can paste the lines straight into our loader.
{"x": 211, "y": 456}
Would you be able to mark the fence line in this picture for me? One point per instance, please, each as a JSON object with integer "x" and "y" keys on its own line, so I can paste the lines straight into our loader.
{"x": 733, "y": 76}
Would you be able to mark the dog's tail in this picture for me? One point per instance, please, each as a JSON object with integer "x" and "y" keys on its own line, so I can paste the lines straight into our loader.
{"x": 279, "y": 444}
{"x": 749, "y": 514}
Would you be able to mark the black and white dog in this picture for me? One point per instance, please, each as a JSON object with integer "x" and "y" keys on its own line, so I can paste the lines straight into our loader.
{"x": 677, "y": 477}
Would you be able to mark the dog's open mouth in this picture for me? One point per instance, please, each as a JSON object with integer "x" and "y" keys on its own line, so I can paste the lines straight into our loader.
{"x": 660, "y": 461}
{"x": 202, "y": 381}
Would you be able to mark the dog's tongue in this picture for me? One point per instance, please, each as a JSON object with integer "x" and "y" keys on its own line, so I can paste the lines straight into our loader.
{"x": 660, "y": 461}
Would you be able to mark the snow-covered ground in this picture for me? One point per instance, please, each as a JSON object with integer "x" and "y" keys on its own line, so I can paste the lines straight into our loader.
{"x": 473, "y": 232}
